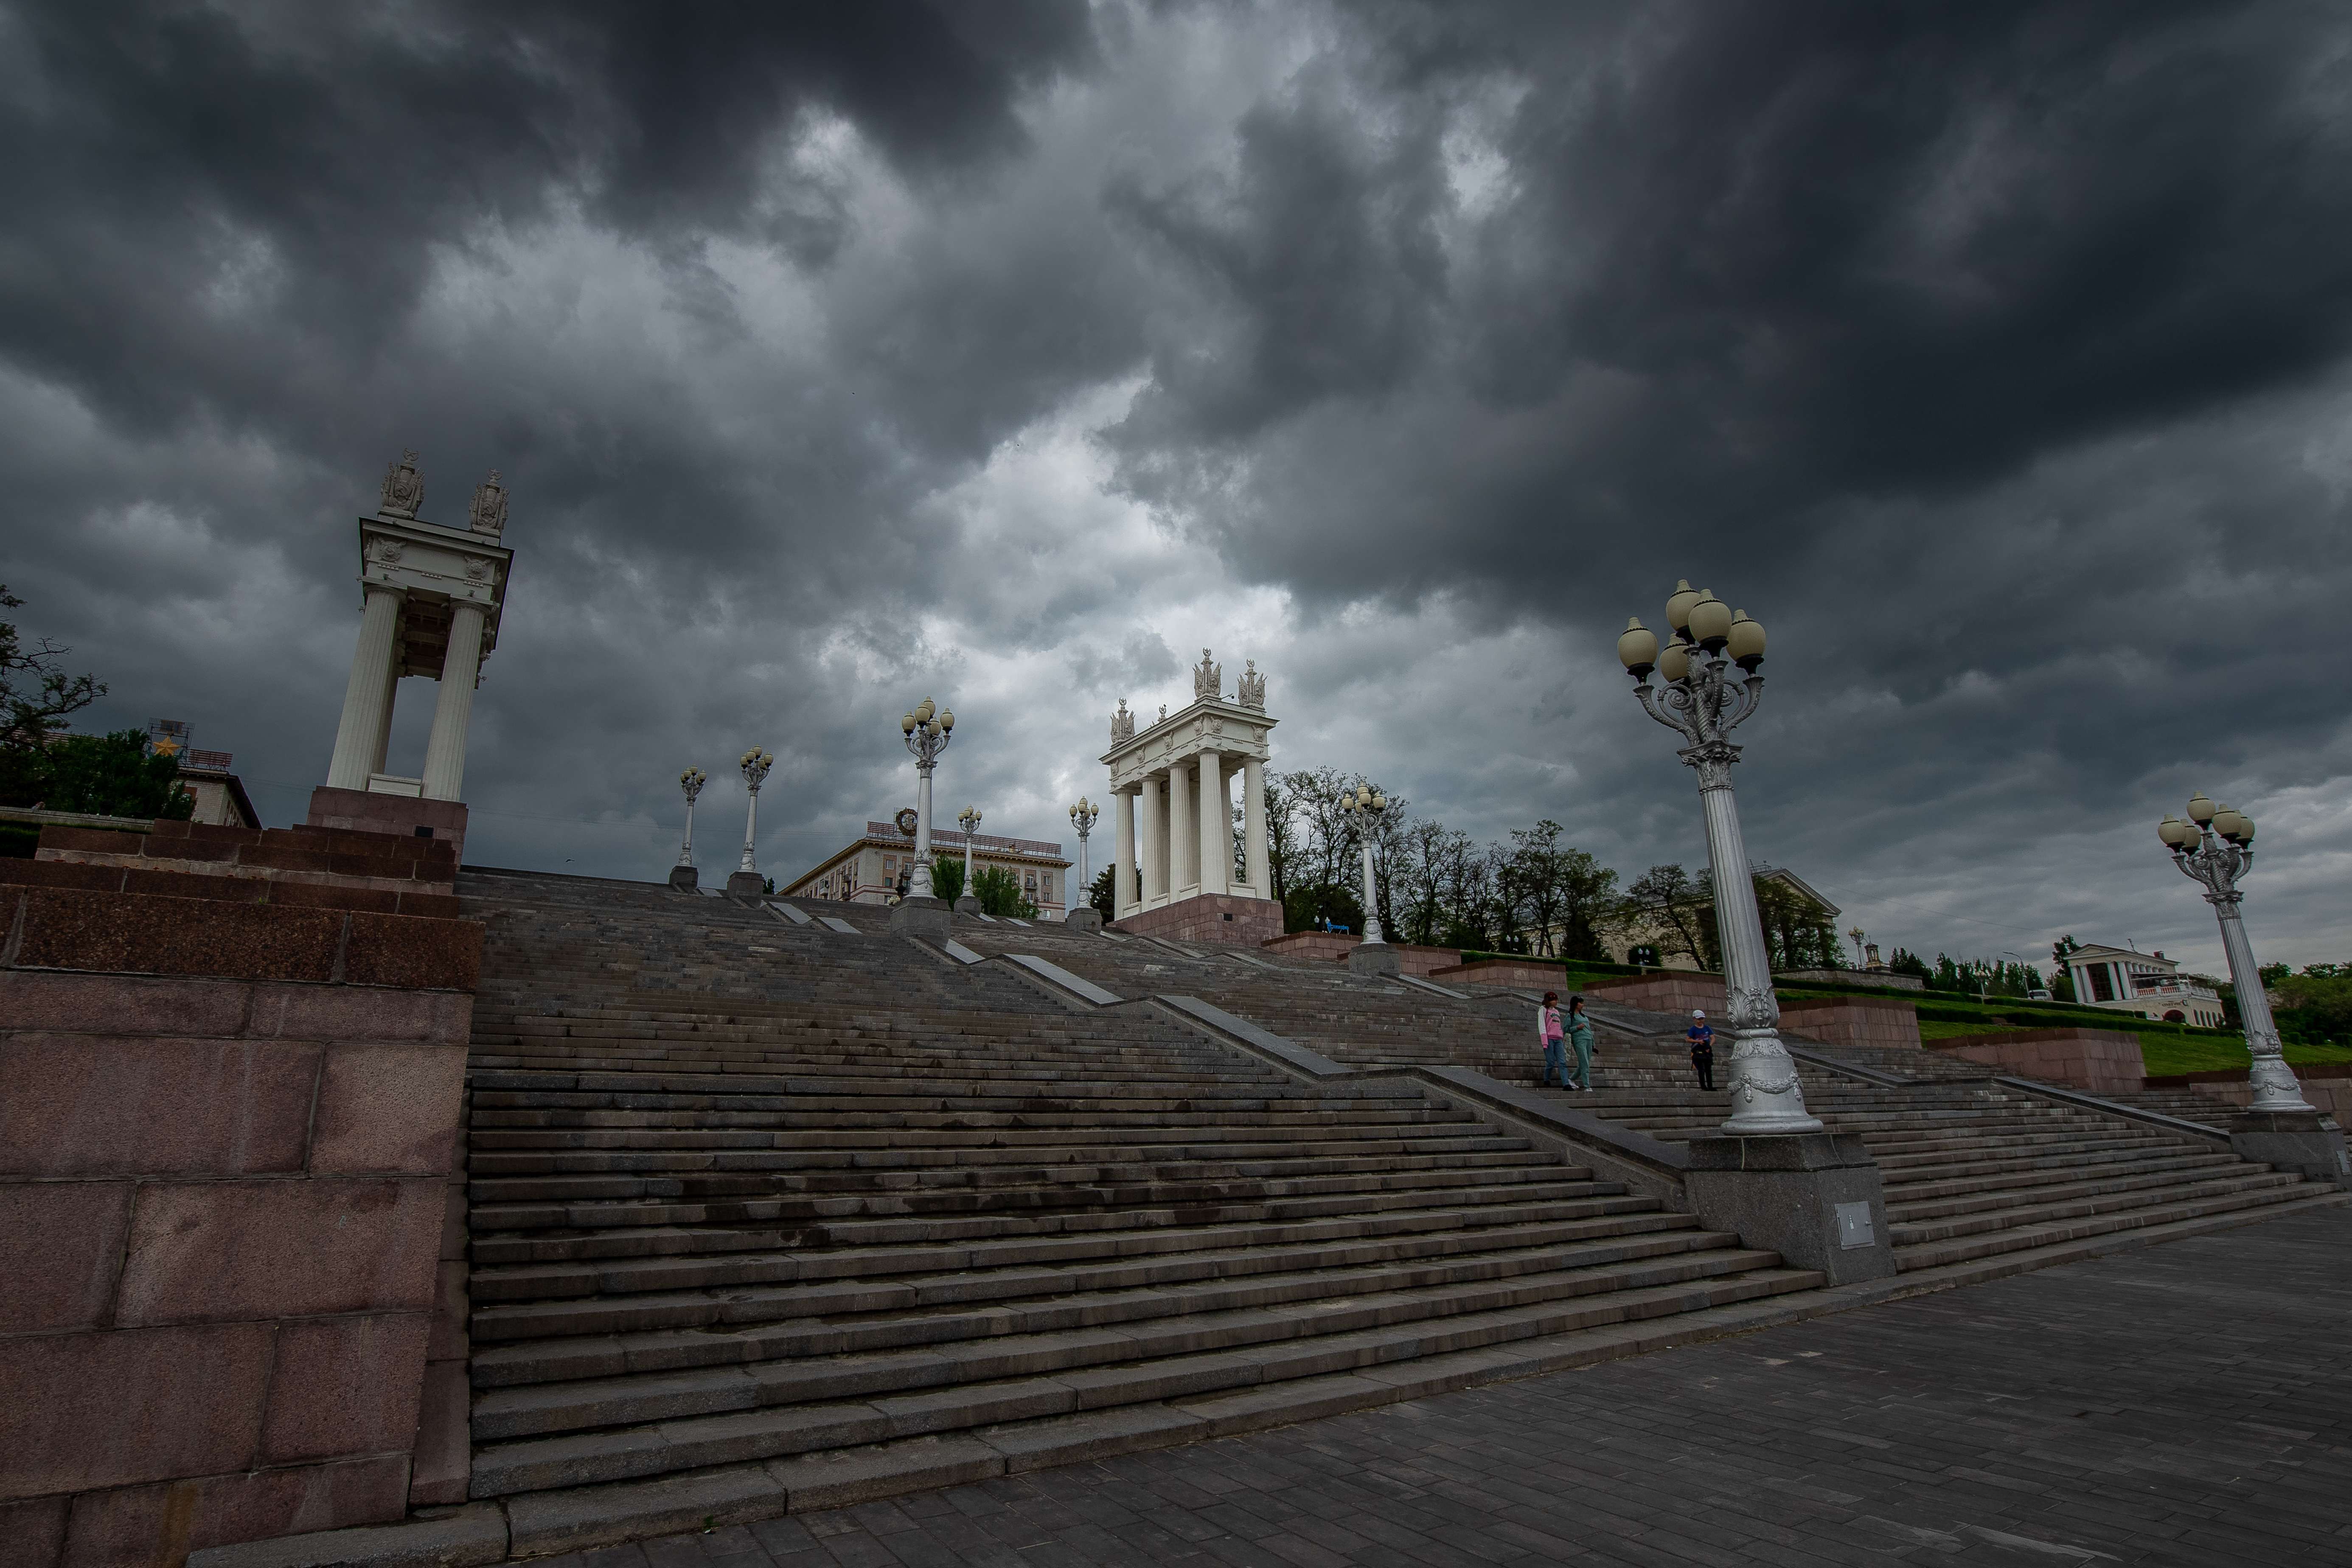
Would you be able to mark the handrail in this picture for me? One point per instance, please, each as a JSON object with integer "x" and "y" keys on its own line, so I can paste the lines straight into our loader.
{"x": 2113, "y": 1108}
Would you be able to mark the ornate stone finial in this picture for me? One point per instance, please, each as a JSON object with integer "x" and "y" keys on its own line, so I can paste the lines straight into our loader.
{"x": 489, "y": 505}
{"x": 1163, "y": 712}
{"x": 1122, "y": 724}
{"x": 404, "y": 488}
{"x": 1208, "y": 679}
{"x": 1252, "y": 687}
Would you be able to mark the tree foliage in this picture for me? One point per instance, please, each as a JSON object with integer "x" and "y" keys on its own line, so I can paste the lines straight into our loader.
{"x": 999, "y": 892}
{"x": 113, "y": 775}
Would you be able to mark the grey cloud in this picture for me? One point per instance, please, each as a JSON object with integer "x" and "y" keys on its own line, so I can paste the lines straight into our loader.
{"x": 1994, "y": 356}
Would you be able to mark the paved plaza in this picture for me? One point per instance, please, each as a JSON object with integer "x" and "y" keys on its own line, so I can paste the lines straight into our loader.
{"x": 2183, "y": 1403}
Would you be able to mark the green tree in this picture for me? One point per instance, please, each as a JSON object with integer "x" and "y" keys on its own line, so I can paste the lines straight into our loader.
{"x": 1666, "y": 900}
{"x": 2061, "y": 979}
{"x": 1104, "y": 895}
{"x": 35, "y": 697}
{"x": 113, "y": 775}
{"x": 947, "y": 877}
{"x": 999, "y": 892}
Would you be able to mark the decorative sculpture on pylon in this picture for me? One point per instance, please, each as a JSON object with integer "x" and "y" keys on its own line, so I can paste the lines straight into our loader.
{"x": 1122, "y": 724}
{"x": 1208, "y": 679}
{"x": 489, "y": 505}
{"x": 1251, "y": 688}
{"x": 404, "y": 488}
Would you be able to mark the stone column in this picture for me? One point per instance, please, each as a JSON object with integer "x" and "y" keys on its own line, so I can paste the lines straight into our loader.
{"x": 445, "y": 752}
{"x": 1154, "y": 810}
{"x": 381, "y": 751}
{"x": 1254, "y": 842}
{"x": 1216, "y": 824}
{"x": 1122, "y": 879}
{"x": 1183, "y": 833}
{"x": 367, "y": 701}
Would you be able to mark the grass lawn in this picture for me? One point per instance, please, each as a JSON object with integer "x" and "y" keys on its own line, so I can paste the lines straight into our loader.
{"x": 2166, "y": 1054}
{"x": 2164, "y": 1051}
{"x": 1931, "y": 1029}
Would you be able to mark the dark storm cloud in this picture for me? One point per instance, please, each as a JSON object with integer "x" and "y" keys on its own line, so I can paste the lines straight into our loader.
{"x": 1994, "y": 355}
{"x": 1797, "y": 252}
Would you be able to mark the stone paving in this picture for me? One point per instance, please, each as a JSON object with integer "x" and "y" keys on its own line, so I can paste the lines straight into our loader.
{"x": 2183, "y": 1403}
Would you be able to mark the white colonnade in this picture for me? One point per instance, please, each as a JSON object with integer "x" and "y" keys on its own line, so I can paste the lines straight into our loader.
{"x": 431, "y": 597}
{"x": 1171, "y": 795}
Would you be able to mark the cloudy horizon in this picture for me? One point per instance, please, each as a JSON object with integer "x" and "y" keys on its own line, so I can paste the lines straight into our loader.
{"x": 1998, "y": 360}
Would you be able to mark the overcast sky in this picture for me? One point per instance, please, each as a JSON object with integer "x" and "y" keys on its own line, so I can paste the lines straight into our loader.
{"x": 1998, "y": 358}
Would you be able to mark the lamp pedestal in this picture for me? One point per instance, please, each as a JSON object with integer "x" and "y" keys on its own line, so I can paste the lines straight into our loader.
{"x": 2306, "y": 1141}
{"x": 684, "y": 878}
{"x": 1815, "y": 1198}
{"x": 1086, "y": 916}
{"x": 920, "y": 915}
{"x": 1373, "y": 957}
{"x": 966, "y": 904}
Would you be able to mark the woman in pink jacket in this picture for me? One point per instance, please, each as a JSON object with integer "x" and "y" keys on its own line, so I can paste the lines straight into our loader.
{"x": 1551, "y": 1033}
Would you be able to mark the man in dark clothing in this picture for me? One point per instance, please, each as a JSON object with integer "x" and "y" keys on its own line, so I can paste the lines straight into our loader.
{"x": 1702, "y": 1047}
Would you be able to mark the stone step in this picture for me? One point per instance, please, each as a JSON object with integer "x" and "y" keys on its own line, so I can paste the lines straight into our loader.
{"x": 2014, "y": 1211}
{"x": 2030, "y": 1232}
{"x": 1958, "y": 1194}
{"x": 876, "y": 1341}
{"x": 1089, "y": 1262}
{"x": 932, "y": 1163}
{"x": 1005, "y": 1238}
{"x": 590, "y": 1209}
{"x": 533, "y": 1464}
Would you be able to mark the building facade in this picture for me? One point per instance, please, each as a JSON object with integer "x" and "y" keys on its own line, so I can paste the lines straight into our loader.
{"x": 2148, "y": 984}
{"x": 865, "y": 870}
{"x": 1651, "y": 936}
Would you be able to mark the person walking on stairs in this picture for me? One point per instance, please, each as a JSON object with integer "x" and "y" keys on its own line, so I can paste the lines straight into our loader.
{"x": 1701, "y": 1036}
{"x": 1551, "y": 1033}
{"x": 1579, "y": 1036}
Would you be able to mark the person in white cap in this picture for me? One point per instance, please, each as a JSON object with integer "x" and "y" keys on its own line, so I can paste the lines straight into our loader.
{"x": 1702, "y": 1044}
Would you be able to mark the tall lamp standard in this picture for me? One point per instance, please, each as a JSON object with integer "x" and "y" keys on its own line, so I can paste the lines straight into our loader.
{"x": 682, "y": 875}
{"x": 1701, "y": 702}
{"x": 1372, "y": 955}
{"x": 969, "y": 820}
{"x": 1080, "y": 911}
{"x": 2216, "y": 847}
{"x": 755, "y": 763}
{"x": 926, "y": 730}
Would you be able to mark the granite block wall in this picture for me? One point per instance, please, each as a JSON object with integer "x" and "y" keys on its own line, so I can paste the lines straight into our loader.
{"x": 2095, "y": 1060}
{"x": 1215, "y": 919}
{"x": 227, "y": 1138}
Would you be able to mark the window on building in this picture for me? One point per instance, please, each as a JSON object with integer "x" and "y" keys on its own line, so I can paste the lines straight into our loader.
{"x": 2103, "y": 981}
{"x": 1046, "y": 886}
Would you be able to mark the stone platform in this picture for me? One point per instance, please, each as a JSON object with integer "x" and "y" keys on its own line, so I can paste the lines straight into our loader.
{"x": 1217, "y": 918}
{"x": 2181, "y": 1405}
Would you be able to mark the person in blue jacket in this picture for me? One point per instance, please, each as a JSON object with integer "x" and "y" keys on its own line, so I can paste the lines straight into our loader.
{"x": 1702, "y": 1047}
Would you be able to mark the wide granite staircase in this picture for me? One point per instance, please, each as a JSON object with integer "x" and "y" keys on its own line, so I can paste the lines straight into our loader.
{"x": 1974, "y": 1171}
{"x": 771, "y": 1212}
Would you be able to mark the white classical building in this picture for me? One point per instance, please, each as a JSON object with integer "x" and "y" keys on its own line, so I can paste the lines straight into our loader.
{"x": 2126, "y": 980}
{"x": 1176, "y": 872}
{"x": 865, "y": 870}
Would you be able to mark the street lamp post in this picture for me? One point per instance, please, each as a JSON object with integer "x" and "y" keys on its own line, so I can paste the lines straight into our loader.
{"x": 682, "y": 875}
{"x": 2215, "y": 847}
{"x": 928, "y": 730}
{"x": 755, "y": 763}
{"x": 1702, "y": 703}
{"x": 1372, "y": 955}
{"x": 1078, "y": 909}
{"x": 969, "y": 820}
